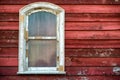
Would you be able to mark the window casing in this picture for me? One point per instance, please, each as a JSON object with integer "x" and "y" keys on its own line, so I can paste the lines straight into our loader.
{"x": 33, "y": 34}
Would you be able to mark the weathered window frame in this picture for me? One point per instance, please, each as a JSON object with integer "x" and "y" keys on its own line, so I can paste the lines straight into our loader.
{"x": 23, "y": 37}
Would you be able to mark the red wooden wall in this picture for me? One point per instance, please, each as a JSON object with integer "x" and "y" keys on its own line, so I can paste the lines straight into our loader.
{"x": 92, "y": 36}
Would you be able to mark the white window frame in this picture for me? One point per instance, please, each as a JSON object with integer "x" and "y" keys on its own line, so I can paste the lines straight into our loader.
{"x": 23, "y": 37}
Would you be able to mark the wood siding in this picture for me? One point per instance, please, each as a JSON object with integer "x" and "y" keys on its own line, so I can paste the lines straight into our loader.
{"x": 92, "y": 40}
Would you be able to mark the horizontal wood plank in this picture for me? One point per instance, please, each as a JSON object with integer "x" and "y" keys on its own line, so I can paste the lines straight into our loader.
{"x": 8, "y": 61}
{"x": 76, "y": 71}
{"x": 92, "y": 8}
{"x": 62, "y": 1}
{"x": 92, "y": 26}
{"x": 8, "y": 71}
{"x": 71, "y": 17}
{"x": 94, "y": 77}
{"x": 92, "y": 34}
{"x": 58, "y": 77}
{"x": 92, "y": 17}
{"x": 72, "y": 44}
{"x": 9, "y": 26}
{"x": 71, "y": 34}
{"x": 8, "y": 34}
{"x": 77, "y": 44}
{"x": 90, "y": 53}
{"x": 9, "y": 43}
{"x": 71, "y": 26}
{"x": 8, "y": 52}
{"x": 92, "y": 71}
{"x": 69, "y": 8}
{"x": 89, "y": 62}
{"x": 84, "y": 53}
{"x": 72, "y": 61}
{"x": 9, "y": 17}
{"x": 35, "y": 77}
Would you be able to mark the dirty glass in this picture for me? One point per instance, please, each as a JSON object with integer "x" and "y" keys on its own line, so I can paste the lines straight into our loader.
{"x": 42, "y": 53}
{"x": 42, "y": 24}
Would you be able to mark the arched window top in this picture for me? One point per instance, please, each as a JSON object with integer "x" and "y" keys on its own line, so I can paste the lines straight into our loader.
{"x": 41, "y": 39}
{"x": 41, "y": 6}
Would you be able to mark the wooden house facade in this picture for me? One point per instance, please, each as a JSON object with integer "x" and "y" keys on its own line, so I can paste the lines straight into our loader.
{"x": 92, "y": 40}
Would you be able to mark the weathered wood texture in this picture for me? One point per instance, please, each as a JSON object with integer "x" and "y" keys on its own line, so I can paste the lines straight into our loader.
{"x": 70, "y": 52}
{"x": 9, "y": 52}
{"x": 98, "y": 53}
{"x": 71, "y": 17}
{"x": 92, "y": 40}
{"x": 56, "y": 77}
{"x": 6, "y": 34}
{"x": 72, "y": 61}
{"x": 72, "y": 71}
{"x": 71, "y": 26}
{"x": 75, "y": 44}
{"x": 62, "y": 1}
{"x": 69, "y": 8}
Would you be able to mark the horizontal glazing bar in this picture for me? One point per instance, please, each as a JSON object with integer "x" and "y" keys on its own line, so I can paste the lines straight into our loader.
{"x": 42, "y": 38}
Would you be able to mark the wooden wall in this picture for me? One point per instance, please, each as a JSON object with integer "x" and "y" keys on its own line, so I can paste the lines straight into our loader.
{"x": 92, "y": 36}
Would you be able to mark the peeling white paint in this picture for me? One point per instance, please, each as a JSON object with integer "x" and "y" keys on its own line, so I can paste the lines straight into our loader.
{"x": 82, "y": 72}
{"x": 61, "y": 79}
{"x": 104, "y": 52}
{"x": 104, "y": 62}
{"x": 116, "y": 0}
{"x": 84, "y": 78}
{"x": 116, "y": 70}
{"x": 23, "y": 28}
{"x": 114, "y": 64}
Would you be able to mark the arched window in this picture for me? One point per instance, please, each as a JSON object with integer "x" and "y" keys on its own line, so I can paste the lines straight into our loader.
{"x": 41, "y": 39}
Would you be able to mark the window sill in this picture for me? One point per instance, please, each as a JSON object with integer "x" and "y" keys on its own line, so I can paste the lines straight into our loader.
{"x": 42, "y": 72}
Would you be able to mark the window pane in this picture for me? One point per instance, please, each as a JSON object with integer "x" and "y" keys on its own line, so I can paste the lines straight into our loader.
{"x": 42, "y": 53}
{"x": 42, "y": 24}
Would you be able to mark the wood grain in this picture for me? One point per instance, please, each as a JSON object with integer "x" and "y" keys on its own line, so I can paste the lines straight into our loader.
{"x": 81, "y": 53}
{"x": 7, "y": 34}
{"x": 78, "y": 43}
{"x": 58, "y": 77}
{"x": 72, "y": 61}
{"x": 76, "y": 26}
{"x": 92, "y": 17}
{"x": 92, "y": 40}
{"x": 92, "y": 71}
{"x": 9, "y": 62}
{"x": 99, "y": 62}
{"x": 8, "y": 52}
{"x": 92, "y": 26}
{"x": 9, "y": 26}
{"x": 62, "y": 1}
{"x": 69, "y": 8}
{"x": 71, "y": 17}
{"x": 92, "y": 34}
{"x": 71, "y": 44}
{"x": 9, "y": 17}
{"x": 70, "y": 71}
{"x": 92, "y": 53}
{"x": 9, "y": 43}
{"x": 71, "y": 34}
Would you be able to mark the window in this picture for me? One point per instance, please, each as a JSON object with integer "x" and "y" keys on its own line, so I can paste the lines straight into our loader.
{"x": 41, "y": 39}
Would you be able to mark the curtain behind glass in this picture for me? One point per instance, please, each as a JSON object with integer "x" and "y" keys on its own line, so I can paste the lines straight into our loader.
{"x": 42, "y": 53}
{"x": 42, "y": 24}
